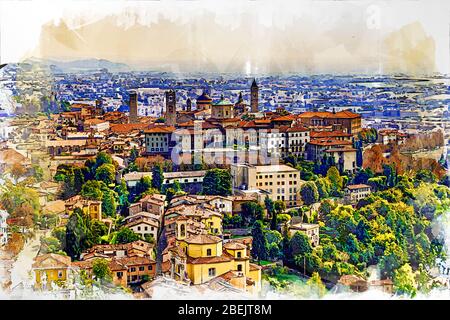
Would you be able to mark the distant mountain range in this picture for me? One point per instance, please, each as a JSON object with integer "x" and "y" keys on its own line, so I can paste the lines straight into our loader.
{"x": 79, "y": 65}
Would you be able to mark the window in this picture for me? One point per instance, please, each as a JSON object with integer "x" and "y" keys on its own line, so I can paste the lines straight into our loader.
{"x": 212, "y": 272}
{"x": 120, "y": 274}
{"x": 141, "y": 268}
{"x": 132, "y": 269}
{"x": 60, "y": 274}
{"x": 239, "y": 254}
{"x": 150, "y": 268}
{"x": 239, "y": 267}
{"x": 208, "y": 252}
{"x": 182, "y": 230}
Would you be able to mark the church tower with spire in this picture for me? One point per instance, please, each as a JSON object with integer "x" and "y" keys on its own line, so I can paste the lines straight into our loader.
{"x": 254, "y": 97}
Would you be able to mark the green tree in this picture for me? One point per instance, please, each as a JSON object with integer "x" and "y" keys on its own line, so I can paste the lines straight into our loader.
{"x": 92, "y": 190}
{"x": 390, "y": 172}
{"x": 335, "y": 179}
{"x": 144, "y": 184}
{"x": 323, "y": 187}
{"x": 102, "y": 158}
{"x": 109, "y": 203}
{"x": 217, "y": 182}
{"x": 78, "y": 179}
{"x": 38, "y": 173}
{"x": 126, "y": 235}
{"x": 260, "y": 247}
{"x": 157, "y": 176}
{"x": 309, "y": 193}
{"x": 76, "y": 235}
{"x": 252, "y": 211}
{"x": 123, "y": 194}
{"x": 316, "y": 285}
{"x": 300, "y": 244}
{"x": 106, "y": 173}
{"x": 426, "y": 176}
{"x": 101, "y": 271}
{"x": 404, "y": 281}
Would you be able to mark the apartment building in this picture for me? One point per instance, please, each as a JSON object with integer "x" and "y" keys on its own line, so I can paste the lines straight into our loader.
{"x": 281, "y": 182}
{"x": 356, "y": 192}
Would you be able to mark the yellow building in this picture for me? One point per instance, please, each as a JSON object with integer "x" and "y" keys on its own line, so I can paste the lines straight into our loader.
{"x": 202, "y": 213}
{"x": 223, "y": 109}
{"x": 203, "y": 257}
{"x": 51, "y": 268}
{"x": 93, "y": 208}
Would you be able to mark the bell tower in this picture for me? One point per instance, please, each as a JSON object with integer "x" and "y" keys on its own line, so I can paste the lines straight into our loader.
{"x": 254, "y": 97}
{"x": 171, "y": 114}
{"x": 188, "y": 105}
{"x": 181, "y": 231}
{"x": 133, "y": 115}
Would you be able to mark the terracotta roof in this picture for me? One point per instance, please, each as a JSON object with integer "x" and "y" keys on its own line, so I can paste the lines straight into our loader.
{"x": 128, "y": 127}
{"x": 289, "y": 117}
{"x": 203, "y": 239}
{"x": 143, "y": 220}
{"x": 329, "y": 142}
{"x": 297, "y": 128}
{"x": 341, "y": 150}
{"x": 350, "y": 279}
{"x": 357, "y": 186}
{"x": 11, "y": 156}
{"x": 382, "y": 282}
{"x": 254, "y": 267}
{"x": 52, "y": 260}
{"x": 328, "y": 134}
{"x": 56, "y": 206}
{"x": 160, "y": 129}
{"x": 207, "y": 260}
{"x": 346, "y": 114}
{"x": 232, "y": 245}
{"x": 135, "y": 260}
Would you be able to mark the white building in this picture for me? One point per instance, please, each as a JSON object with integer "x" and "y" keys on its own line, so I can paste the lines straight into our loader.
{"x": 356, "y": 192}
{"x": 281, "y": 182}
{"x": 157, "y": 139}
{"x": 3, "y": 227}
{"x": 145, "y": 226}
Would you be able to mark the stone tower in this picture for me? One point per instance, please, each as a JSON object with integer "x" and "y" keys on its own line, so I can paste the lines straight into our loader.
{"x": 133, "y": 115}
{"x": 171, "y": 114}
{"x": 254, "y": 97}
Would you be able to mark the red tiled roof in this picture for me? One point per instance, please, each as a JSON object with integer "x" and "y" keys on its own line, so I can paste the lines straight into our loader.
{"x": 207, "y": 260}
{"x": 346, "y": 114}
{"x": 329, "y": 142}
{"x": 160, "y": 129}
{"x": 328, "y": 134}
{"x": 128, "y": 127}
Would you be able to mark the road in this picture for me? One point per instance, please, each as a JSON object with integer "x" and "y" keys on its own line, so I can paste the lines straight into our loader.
{"x": 20, "y": 272}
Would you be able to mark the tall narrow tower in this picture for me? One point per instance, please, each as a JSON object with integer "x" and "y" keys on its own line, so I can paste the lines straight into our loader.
{"x": 171, "y": 114}
{"x": 188, "y": 105}
{"x": 133, "y": 115}
{"x": 254, "y": 97}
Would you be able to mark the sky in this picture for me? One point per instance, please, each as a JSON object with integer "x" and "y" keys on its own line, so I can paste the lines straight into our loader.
{"x": 250, "y": 36}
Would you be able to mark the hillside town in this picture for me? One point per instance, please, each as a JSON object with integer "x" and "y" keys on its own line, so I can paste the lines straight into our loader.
{"x": 228, "y": 190}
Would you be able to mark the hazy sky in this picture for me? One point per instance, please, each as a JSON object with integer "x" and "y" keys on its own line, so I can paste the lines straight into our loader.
{"x": 246, "y": 36}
